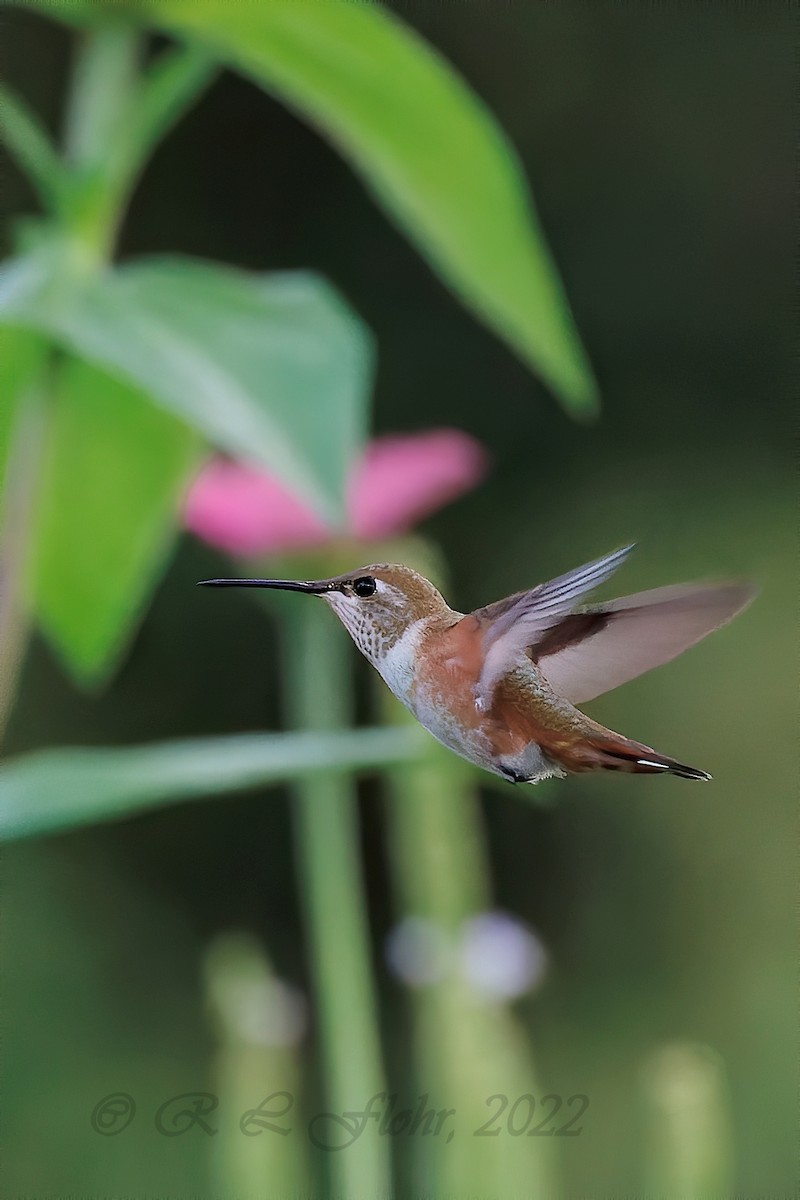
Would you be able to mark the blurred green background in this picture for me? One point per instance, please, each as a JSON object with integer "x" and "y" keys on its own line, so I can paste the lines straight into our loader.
{"x": 657, "y": 143}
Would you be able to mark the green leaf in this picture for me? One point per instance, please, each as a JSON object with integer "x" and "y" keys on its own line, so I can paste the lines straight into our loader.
{"x": 113, "y": 474}
{"x": 426, "y": 146}
{"x": 84, "y": 14}
{"x": 423, "y": 142}
{"x": 117, "y": 113}
{"x": 167, "y": 90}
{"x": 53, "y": 790}
{"x": 275, "y": 369}
{"x": 30, "y": 145}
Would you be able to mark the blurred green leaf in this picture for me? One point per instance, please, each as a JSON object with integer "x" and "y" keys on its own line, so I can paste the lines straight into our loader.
{"x": 426, "y": 146}
{"x": 29, "y": 144}
{"x": 118, "y": 113}
{"x": 113, "y": 472}
{"x": 53, "y": 790}
{"x": 167, "y": 90}
{"x": 275, "y": 369}
{"x": 84, "y": 14}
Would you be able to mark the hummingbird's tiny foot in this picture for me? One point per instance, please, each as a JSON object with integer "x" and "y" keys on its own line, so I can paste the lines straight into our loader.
{"x": 513, "y": 776}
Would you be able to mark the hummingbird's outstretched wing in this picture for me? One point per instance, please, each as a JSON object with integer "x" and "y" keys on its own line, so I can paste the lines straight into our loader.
{"x": 594, "y": 651}
{"x": 587, "y": 652}
{"x": 512, "y": 626}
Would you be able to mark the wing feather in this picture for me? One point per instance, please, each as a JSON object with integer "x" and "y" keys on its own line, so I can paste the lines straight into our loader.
{"x": 612, "y": 643}
{"x": 510, "y": 627}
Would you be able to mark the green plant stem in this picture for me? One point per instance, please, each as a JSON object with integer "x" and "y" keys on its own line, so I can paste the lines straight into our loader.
{"x": 318, "y": 694}
{"x": 26, "y": 442}
{"x": 103, "y": 83}
{"x": 467, "y": 1046}
{"x": 116, "y": 115}
{"x": 443, "y": 875}
{"x": 237, "y": 974}
{"x": 100, "y": 108}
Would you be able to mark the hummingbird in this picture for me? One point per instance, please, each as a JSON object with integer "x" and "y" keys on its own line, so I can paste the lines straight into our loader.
{"x": 500, "y": 685}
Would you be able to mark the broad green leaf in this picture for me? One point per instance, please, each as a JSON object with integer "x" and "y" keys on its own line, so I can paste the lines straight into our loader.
{"x": 53, "y": 790}
{"x": 422, "y": 141}
{"x": 272, "y": 368}
{"x": 113, "y": 473}
{"x": 426, "y": 146}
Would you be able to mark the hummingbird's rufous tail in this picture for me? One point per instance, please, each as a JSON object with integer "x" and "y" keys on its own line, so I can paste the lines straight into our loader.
{"x": 613, "y": 752}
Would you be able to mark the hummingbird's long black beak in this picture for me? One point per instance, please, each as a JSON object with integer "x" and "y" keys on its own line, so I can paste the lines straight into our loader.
{"x": 315, "y": 587}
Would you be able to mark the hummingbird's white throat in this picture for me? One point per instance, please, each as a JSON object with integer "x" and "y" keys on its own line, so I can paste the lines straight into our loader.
{"x": 376, "y": 624}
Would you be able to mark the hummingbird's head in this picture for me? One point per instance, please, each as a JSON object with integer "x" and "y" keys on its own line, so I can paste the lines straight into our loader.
{"x": 376, "y": 604}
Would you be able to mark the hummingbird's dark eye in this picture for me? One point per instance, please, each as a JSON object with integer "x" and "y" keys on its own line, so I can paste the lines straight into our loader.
{"x": 364, "y": 586}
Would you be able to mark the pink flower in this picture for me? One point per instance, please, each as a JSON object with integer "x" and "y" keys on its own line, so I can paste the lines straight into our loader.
{"x": 398, "y": 481}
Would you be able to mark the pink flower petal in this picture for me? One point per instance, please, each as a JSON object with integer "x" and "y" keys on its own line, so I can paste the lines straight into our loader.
{"x": 240, "y": 509}
{"x": 403, "y": 478}
{"x": 400, "y": 479}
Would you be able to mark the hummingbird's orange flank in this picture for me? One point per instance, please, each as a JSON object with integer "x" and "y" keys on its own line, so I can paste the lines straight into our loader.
{"x": 499, "y": 686}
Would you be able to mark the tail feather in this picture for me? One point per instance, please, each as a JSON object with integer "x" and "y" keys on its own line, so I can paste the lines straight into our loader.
{"x": 612, "y": 752}
{"x": 669, "y": 766}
